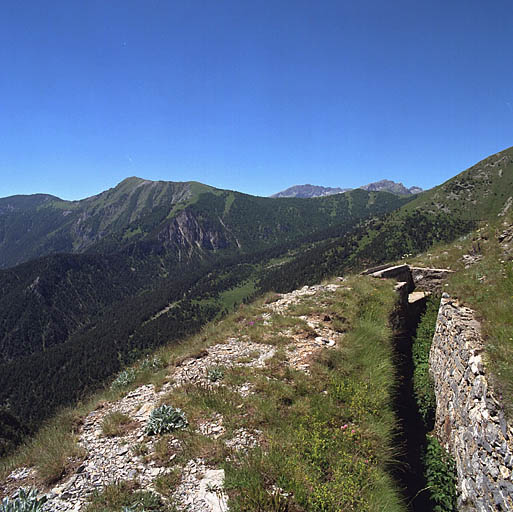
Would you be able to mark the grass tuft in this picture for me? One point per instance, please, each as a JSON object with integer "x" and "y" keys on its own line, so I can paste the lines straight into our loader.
{"x": 120, "y": 496}
{"x": 115, "y": 424}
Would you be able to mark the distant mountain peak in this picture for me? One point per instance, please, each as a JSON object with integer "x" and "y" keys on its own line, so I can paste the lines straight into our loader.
{"x": 310, "y": 191}
{"x": 391, "y": 186}
{"x": 307, "y": 191}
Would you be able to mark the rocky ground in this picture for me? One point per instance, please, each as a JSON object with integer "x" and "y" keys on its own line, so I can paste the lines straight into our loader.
{"x": 200, "y": 486}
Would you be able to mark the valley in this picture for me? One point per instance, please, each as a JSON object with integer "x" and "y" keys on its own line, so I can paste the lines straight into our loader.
{"x": 209, "y": 301}
{"x": 256, "y": 256}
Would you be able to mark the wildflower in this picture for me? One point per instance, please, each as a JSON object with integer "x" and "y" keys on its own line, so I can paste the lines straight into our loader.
{"x": 343, "y": 427}
{"x": 353, "y": 431}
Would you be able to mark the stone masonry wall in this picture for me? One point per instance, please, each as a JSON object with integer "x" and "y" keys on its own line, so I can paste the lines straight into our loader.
{"x": 469, "y": 420}
{"x": 429, "y": 279}
{"x": 401, "y": 273}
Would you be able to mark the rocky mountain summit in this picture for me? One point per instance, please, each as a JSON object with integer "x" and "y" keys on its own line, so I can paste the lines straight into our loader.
{"x": 391, "y": 186}
{"x": 307, "y": 191}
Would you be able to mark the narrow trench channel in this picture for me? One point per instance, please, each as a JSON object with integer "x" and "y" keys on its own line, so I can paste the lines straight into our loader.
{"x": 412, "y": 435}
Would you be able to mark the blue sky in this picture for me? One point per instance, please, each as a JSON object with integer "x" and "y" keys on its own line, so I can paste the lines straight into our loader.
{"x": 253, "y": 95}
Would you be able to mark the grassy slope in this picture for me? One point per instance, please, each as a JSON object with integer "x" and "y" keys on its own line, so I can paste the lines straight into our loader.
{"x": 438, "y": 215}
{"x": 477, "y": 193}
{"x": 487, "y": 287}
{"x": 327, "y": 434}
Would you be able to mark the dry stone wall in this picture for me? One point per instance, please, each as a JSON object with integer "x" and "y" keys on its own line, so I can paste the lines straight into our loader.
{"x": 470, "y": 422}
{"x": 429, "y": 279}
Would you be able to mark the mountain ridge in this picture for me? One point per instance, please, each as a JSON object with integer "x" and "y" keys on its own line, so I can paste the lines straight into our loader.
{"x": 98, "y": 309}
{"x": 62, "y": 292}
{"x": 157, "y": 212}
{"x": 310, "y": 191}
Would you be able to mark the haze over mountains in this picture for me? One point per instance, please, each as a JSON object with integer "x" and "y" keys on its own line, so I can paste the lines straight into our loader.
{"x": 306, "y": 191}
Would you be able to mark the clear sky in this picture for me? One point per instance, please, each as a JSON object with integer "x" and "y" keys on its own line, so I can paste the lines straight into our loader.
{"x": 253, "y": 95}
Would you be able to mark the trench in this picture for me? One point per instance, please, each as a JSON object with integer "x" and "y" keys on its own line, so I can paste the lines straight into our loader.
{"x": 411, "y": 436}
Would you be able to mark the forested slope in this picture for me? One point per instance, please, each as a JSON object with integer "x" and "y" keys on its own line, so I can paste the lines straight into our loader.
{"x": 70, "y": 321}
{"x": 186, "y": 217}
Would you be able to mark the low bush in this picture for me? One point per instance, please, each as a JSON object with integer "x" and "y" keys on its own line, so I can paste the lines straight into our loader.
{"x": 124, "y": 379}
{"x": 165, "y": 419}
{"x": 26, "y": 501}
{"x": 441, "y": 476}
{"x": 422, "y": 381}
{"x": 439, "y": 467}
{"x": 215, "y": 373}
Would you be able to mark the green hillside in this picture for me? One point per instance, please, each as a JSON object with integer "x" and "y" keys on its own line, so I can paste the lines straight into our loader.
{"x": 154, "y": 260}
{"x": 478, "y": 193}
{"x": 139, "y": 261}
{"x": 134, "y": 236}
{"x": 188, "y": 217}
{"x": 441, "y": 214}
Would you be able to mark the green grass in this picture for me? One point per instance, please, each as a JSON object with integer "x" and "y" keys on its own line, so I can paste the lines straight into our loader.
{"x": 51, "y": 452}
{"x": 477, "y": 193}
{"x": 54, "y": 448}
{"x": 328, "y": 435}
{"x": 131, "y": 232}
{"x": 115, "y": 424}
{"x": 228, "y": 204}
{"x": 439, "y": 466}
{"x": 230, "y": 298}
{"x": 440, "y": 476}
{"x": 423, "y": 386}
{"x": 486, "y": 287}
{"x": 118, "y": 496}
{"x": 167, "y": 483}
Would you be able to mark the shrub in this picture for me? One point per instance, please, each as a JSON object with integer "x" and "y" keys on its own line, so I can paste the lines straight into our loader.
{"x": 440, "y": 471}
{"x": 215, "y": 373}
{"x": 165, "y": 419}
{"x": 124, "y": 379}
{"x": 422, "y": 382}
{"x": 439, "y": 467}
{"x": 154, "y": 363}
{"x": 26, "y": 501}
